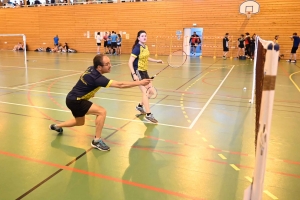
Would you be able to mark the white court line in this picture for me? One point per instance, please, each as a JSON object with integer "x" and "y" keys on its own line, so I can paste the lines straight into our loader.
{"x": 110, "y": 99}
{"x": 47, "y": 80}
{"x": 62, "y": 70}
{"x": 209, "y": 100}
{"x": 53, "y": 109}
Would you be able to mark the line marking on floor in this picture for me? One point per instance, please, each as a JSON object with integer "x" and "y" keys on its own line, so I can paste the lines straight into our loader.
{"x": 211, "y": 146}
{"x": 270, "y": 194}
{"x": 235, "y": 167}
{"x": 223, "y": 157}
{"x": 198, "y": 132}
{"x": 209, "y": 100}
{"x": 109, "y": 99}
{"x": 294, "y": 81}
{"x": 118, "y": 118}
{"x": 203, "y": 138}
{"x": 48, "y": 80}
{"x": 249, "y": 179}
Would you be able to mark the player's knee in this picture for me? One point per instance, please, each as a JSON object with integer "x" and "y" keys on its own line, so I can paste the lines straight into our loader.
{"x": 101, "y": 111}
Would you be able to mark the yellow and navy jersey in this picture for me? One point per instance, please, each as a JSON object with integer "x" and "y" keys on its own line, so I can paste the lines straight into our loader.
{"x": 141, "y": 53}
{"x": 88, "y": 84}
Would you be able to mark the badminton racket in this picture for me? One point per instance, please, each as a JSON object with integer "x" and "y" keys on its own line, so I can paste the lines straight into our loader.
{"x": 175, "y": 60}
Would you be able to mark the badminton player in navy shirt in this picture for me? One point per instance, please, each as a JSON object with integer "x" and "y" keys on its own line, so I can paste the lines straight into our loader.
{"x": 138, "y": 61}
{"x": 88, "y": 84}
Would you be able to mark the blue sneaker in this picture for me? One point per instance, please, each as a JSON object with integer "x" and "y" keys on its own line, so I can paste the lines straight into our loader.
{"x": 100, "y": 145}
{"x": 54, "y": 128}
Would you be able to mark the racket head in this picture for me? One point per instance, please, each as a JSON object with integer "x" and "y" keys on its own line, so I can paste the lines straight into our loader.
{"x": 177, "y": 59}
{"x": 151, "y": 92}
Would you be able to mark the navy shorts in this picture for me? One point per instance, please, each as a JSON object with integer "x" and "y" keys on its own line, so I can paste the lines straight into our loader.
{"x": 79, "y": 108}
{"x": 294, "y": 49}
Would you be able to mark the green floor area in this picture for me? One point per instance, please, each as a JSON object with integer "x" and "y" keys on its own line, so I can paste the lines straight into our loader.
{"x": 202, "y": 147}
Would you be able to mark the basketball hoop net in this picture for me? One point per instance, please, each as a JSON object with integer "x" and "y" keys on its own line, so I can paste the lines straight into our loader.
{"x": 248, "y": 14}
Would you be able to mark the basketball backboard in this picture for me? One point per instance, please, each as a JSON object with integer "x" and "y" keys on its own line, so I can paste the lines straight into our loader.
{"x": 249, "y": 6}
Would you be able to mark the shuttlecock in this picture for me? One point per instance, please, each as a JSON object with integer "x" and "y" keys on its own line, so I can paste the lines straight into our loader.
{"x": 245, "y": 88}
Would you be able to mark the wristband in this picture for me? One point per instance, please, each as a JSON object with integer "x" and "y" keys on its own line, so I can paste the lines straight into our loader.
{"x": 133, "y": 74}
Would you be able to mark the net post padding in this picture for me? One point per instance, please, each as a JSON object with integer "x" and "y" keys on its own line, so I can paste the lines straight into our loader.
{"x": 266, "y": 72}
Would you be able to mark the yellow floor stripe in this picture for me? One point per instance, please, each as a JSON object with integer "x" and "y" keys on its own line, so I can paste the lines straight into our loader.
{"x": 211, "y": 146}
{"x": 189, "y": 121}
{"x": 197, "y": 132}
{"x": 205, "y": 140}
{"x": 249, "y": 179}
{"x": 235, "y": 167}
{"x": 223, "y": 157}
{"x": 294, "y": 81}
{"x": 270, "y": 194}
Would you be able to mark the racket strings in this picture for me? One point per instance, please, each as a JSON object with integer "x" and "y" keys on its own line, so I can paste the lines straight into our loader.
{"x": 177, "y": 59}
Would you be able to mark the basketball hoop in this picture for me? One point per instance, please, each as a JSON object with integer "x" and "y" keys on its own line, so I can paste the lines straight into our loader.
{"x": 248, "y": 14}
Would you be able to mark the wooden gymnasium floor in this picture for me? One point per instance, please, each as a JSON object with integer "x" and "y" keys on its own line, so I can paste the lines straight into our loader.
{"x": 202, "y": 148}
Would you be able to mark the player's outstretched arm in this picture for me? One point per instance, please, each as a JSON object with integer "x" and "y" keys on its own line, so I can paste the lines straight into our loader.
{"x": 154, "y": 60}
{"x": 129, "y": 84}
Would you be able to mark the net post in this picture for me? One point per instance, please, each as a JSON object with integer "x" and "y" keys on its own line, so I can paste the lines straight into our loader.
{"x": 265, "y": 117}
{"x": 156, "y": 46}
{"x": 25, "y": 50}
{"x": 254, "y": 70}
{"x": 171, "y": 45}
{"x": 231, "y": 48}
{"x": 215, "y": 48}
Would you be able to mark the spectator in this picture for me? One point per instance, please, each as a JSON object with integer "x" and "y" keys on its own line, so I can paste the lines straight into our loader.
{"x": 56, "y": 40}
{"x": 98, "y": 42}
{"x": 225, "y": 46}
{"x": 18, "y": 47}
{"x": 194, "y": 41}
{"x": 241, "y": 46}
{"x": 296, "y": 40}
{"x": 119, "y": 44}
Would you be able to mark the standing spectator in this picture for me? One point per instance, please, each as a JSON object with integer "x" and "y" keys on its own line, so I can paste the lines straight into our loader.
{"x": 193, "y": 41}
{"x": 252, "y": 45}
{"x": 56, "y": 39}
{"x": 241, "y": 46}
{"x": 114, "y": 42}
{"x": 109, "y": 43}
{"x": 119, "y": 44}
{"x": 247, "y": 45}
{"x": 296, "y": 41}
{"x": 105, "y": 42}
{"x": 225, "y": 46}
{"x": 98, "y": 41}
{"x": 276, "y": 42}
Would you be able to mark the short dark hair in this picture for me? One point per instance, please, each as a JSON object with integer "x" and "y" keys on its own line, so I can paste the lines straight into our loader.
{"x": 226, "y": 33}
{"x": 98, "y": 60}
{"x": 294, "y": 33}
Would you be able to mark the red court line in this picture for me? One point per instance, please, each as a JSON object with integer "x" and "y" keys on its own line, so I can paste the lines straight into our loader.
{"x": 101, "y": 176}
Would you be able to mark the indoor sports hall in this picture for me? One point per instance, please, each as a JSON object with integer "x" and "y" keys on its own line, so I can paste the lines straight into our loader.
{"x": 228, "y": 121}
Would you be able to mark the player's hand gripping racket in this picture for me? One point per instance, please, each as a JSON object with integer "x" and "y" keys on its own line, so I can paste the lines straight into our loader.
{"x": 151, "y": 91}
{"x": 175, "y": 60}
